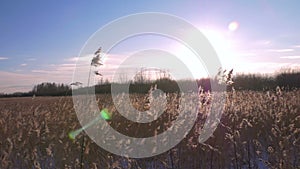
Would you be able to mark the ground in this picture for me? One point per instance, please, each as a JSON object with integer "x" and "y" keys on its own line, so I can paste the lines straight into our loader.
{"x": 257, "y": 130}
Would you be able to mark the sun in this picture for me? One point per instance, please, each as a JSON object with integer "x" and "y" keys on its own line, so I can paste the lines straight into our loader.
{"x": 223, "y": 44}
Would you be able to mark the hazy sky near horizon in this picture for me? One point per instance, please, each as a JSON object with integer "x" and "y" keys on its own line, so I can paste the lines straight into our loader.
{"x": 40, "y": 40}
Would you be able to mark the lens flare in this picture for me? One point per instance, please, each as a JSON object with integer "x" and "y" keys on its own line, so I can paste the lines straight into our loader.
{"x": 104, "y": 114}
{"x": 233, "y": 26}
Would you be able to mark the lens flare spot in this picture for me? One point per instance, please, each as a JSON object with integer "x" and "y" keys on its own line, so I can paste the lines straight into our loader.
{"x": 233, "y": 26}
{"x": 72, "y": 135}
{"x": 105, "y": 114}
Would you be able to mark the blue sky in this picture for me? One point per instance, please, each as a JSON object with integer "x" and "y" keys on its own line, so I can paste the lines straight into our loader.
{"x": 39, "y": 39}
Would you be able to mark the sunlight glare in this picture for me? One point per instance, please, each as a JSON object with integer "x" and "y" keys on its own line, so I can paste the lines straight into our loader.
{"x": 222, "y": 43}
{"x": 233, "y": 26}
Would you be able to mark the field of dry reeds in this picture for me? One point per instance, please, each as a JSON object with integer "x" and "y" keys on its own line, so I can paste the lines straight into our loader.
{"x": 257, "y": 130}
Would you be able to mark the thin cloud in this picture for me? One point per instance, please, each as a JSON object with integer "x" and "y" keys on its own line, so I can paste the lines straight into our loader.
{"x": 263, "y": 42}
{"x": 13, "y": 79}
{"x": 86, "y": 58}
{"x": 264, "y": 67}
{"x": 3, "y": 58}
{"x": 43, "y": 71}
{"x": 247, "y": 54}
{"x": 23, "y": 64}
{"x": 280, "y": 50}
{"x": 105, "y": 58}
{"x": 31, "y": 59}
{"x": 290, "y": 57}
{"x": 295, "y": 46}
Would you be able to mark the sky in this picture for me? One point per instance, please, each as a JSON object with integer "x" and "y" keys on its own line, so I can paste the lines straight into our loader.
{"x": 41, "y": 40}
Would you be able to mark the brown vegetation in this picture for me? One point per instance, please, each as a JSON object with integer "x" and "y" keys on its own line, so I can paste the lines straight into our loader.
{"x": 257, "y": 130}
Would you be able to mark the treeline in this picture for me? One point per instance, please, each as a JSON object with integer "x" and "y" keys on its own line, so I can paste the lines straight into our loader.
{"x": 255, "y": 82}
{"x": 51, "y": 89}
{"x": 44, "y": 89}
{"x": 286, "y": 80}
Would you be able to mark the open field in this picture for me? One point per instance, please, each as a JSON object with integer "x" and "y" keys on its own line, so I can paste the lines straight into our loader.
{"x": 257, "y": 130}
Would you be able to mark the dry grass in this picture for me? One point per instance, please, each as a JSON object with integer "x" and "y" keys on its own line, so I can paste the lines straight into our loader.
{"x": 257, "y": 130}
